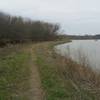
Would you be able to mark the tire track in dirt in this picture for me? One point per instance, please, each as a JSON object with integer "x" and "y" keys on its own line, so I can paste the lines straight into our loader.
{"x": 35, "y": 81}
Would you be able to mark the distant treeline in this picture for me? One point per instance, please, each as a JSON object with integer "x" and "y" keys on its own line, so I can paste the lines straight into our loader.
{"x": 17, "y": 29}
{"x": 81, "y": 37}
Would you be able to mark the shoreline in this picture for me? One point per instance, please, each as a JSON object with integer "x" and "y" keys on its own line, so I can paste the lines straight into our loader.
{"x": 56, "y": 70}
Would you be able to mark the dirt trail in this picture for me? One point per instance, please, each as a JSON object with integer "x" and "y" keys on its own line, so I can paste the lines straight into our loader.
{"x": 35, "y": 82}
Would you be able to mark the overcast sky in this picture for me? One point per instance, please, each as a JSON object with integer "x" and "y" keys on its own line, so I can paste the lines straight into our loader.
{"x": 75, "y": 16}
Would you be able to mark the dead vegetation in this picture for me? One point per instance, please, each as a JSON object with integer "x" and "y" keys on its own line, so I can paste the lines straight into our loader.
{"x": 81, "y": 76}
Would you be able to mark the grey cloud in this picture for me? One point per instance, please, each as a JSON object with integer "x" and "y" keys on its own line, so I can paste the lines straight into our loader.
{"x": 75, "y": 16}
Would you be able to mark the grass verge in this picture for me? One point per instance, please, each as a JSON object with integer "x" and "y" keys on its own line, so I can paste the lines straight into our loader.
{"x": 14, "y": 73}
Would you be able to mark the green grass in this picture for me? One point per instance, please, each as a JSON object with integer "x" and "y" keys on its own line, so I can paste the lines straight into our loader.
{"x": 52, "y": 81}
{"x": 14, "y": 75}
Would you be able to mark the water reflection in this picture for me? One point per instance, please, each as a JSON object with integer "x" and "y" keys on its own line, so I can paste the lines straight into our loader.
{"x": 87, "y": 51}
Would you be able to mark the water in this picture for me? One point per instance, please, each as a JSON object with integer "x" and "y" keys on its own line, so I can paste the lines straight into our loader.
{"x": 87, "y": 51}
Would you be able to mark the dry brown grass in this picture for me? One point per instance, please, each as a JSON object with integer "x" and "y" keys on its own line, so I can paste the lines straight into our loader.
{"x": 81, "y": 75}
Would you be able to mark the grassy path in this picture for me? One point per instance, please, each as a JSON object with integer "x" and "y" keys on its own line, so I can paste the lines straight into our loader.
{"x": 52, "y": 81}
{"x": 35, "y": 81}
{"x": 19, "y": 75}
{"x": 35, "y": 72}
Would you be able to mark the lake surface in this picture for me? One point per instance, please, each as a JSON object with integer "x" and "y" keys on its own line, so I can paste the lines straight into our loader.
{"x": 87, "y": 51}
